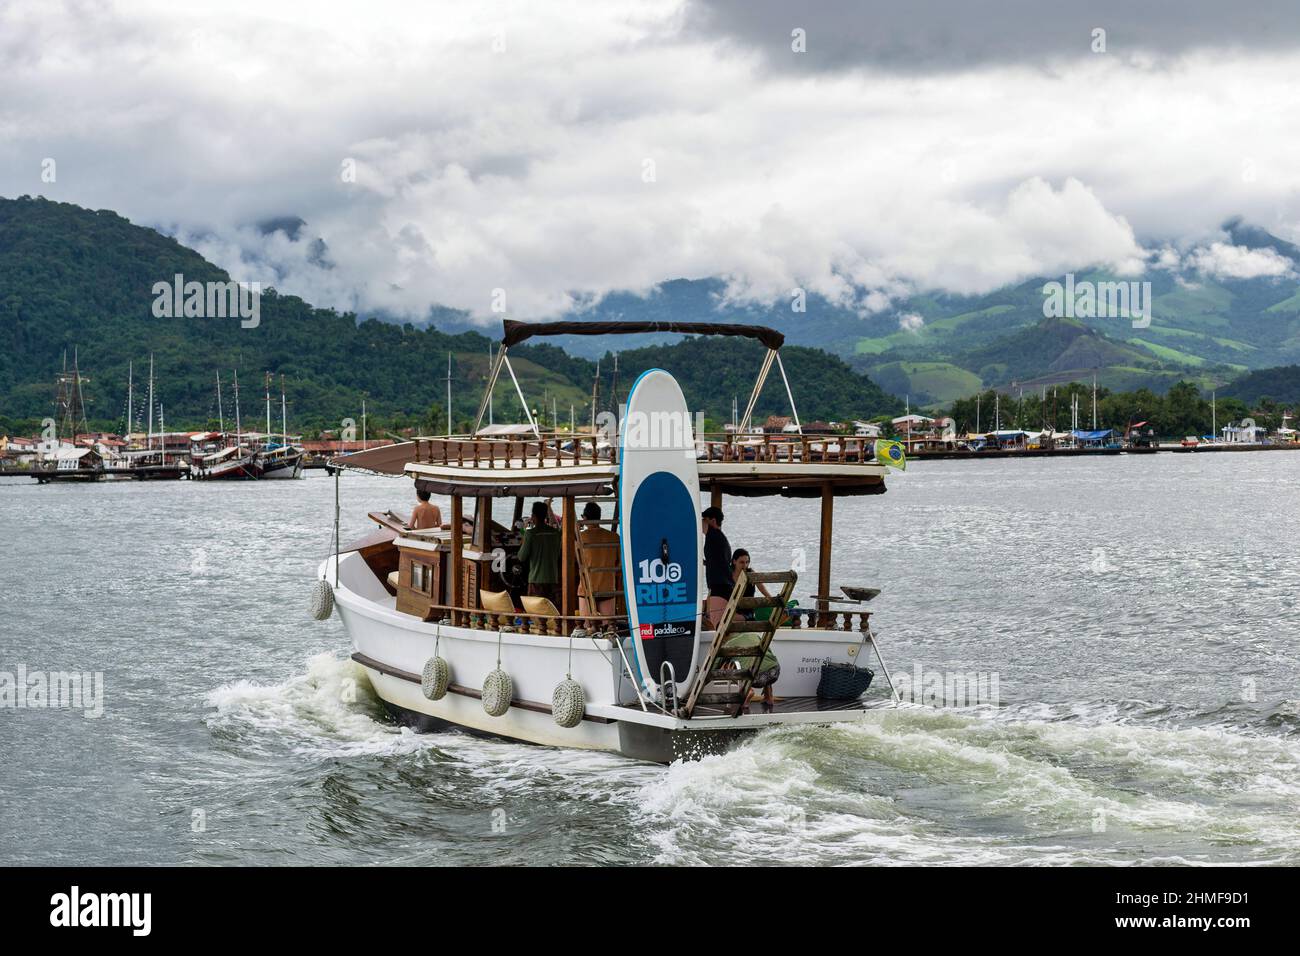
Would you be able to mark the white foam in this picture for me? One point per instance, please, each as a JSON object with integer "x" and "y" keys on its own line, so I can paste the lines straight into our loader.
{"x": 327, "y": 711}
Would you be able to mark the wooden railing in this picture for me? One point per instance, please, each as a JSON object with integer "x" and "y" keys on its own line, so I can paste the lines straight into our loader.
{"x": 522, "y": 622}
{"x": 813, "y": 619}
{"x": 782, "y": 448}
{"x": 561, "y": 449}
{"x": 561, "y": 625}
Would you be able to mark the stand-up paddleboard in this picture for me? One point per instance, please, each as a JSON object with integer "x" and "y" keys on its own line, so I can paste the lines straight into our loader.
{"x": 659, "y": 528}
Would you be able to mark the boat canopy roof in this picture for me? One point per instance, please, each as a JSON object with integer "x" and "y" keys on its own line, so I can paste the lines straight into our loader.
{"x": 516, "y": 331}
{"x": 564, "y": 465}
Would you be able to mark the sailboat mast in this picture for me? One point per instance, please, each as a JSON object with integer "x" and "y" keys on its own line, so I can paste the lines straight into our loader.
{"x": 239, "y": 429}
{"x": 614, "y": 387}
{"x": 130, "y": 396}
{"x": 595, "y": 396}
{"x": 284, "y": 414}
{"x": 221, "y": 411}
{"x": 448, "y": 394}
{"x": 149, "y": 439}
{"x": 491, "y": 358}
{"x": 267, "y": 385}
{"x": 81, "y": 398}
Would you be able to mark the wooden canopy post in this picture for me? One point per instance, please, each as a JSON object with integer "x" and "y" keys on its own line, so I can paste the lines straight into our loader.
{"x": 824, "y": 555}
{"x": 715, "y": 495}
{"x": 483, "y": 523}
{"x": 457, "y": 547}
{"x": 568, "y": 558}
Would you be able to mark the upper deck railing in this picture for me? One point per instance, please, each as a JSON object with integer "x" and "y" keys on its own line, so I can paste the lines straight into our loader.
{"x": 568, "y": 449}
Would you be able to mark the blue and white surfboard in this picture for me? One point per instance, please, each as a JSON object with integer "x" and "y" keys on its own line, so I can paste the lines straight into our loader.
{"x": 659, "y": 528}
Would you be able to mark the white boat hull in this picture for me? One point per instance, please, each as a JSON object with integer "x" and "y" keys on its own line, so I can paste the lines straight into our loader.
{"x": 393, "y": 648}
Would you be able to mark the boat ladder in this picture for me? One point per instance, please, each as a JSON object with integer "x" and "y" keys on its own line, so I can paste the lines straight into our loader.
{"x": 602, "y": 558}
{"x": 723, "y": 682}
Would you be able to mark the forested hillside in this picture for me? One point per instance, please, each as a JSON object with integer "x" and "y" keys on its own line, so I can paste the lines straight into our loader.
{"x": 73, "y": 279}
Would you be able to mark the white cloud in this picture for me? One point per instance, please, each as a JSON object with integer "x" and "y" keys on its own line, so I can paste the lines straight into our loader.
{"x": 910, "y": 322}
{"x": 523, "y": 170}
{"x": 1220, "y": 260}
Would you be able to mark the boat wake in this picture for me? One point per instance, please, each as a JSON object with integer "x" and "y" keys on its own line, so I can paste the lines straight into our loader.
{"x": 918, "y": 785}
{"x": 1113, "y": 783}
{"x": 330, "y": 711}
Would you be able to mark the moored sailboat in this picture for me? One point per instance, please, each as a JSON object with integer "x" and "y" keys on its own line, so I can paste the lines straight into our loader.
{"x": 233, "y": 462}
{"x": 278, "y": 457}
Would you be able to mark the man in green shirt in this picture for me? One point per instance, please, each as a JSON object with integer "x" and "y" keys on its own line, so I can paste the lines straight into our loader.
{"x": 540, "y": 553}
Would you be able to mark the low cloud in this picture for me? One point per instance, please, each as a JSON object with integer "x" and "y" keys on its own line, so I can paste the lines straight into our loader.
{"x": 554, "y": 153}
{"x": 1220, "y": 260}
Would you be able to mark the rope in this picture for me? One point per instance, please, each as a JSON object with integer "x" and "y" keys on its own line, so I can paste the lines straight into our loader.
{"x": 336, "y": 527}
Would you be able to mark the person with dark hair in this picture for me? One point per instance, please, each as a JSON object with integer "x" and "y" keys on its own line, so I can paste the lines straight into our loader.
{"x": 739, "y": 563}
{"x": 600, "y": 561}
{"x": 717, "y": 564}
{"x": 769, "y": 668}
{"x": 425, "y": 515}
{"x": 540, "y": 553}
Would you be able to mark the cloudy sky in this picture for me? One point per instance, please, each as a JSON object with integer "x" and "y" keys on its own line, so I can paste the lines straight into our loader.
{"x": 559, "y": 150}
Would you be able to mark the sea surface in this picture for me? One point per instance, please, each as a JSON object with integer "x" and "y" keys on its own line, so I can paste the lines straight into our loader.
{"x": 1139, "y": 614}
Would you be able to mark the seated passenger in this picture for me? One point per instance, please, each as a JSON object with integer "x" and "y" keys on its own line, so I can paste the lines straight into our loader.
{"x": 769, "y": 670}
{"x": 740, "y": 562}
{"x": 597, "y": 553}
{"x": 540, "y": 553}
{"x": 425, "y": 515}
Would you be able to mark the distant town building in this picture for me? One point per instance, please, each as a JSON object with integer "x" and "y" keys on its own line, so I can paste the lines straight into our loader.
{"x": 1242, "y": 433}
{"x": 921, "y": 433}
{"x": 776, "y": 424}
{"x": 866, "y": 429}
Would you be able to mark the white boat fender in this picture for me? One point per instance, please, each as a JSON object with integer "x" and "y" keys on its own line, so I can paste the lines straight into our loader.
{"x": 498, "y": 688}
{"x": 322, "y": 600}
{"x": 569, "y": 702}
{"x": 436, "y": 677}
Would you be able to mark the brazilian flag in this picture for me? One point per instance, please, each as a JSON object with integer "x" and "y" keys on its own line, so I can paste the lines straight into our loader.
{"x": 891, "y": 453}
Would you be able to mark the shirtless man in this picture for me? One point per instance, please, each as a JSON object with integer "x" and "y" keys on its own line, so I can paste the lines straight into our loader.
{"x": 425, "y": 515}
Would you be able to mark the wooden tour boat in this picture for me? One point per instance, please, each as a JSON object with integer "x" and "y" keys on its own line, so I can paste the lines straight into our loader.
{"x": 440, "y": 620}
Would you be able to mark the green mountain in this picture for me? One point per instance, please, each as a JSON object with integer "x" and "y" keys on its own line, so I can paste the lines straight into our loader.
{"x": 1277, "y": 385}
{"x": 937, "y": 346}
{"x": 76, "y": 281}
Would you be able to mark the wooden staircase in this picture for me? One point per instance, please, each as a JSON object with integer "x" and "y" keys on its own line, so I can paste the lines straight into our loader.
{"x": 714, "y": 672}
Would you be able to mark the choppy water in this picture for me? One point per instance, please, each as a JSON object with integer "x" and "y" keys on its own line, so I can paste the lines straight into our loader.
{"x": 1140, "y": 613}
